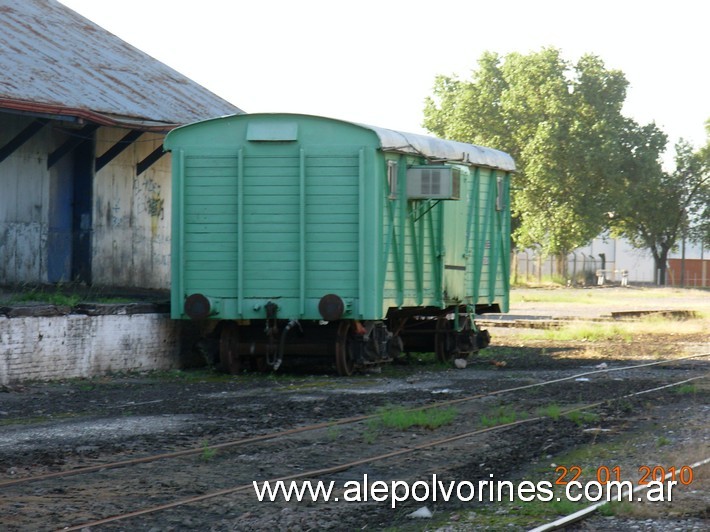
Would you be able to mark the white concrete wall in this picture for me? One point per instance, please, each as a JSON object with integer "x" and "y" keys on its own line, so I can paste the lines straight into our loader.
{"x": 620, "y": 255}
{"x": 75, "y": 345}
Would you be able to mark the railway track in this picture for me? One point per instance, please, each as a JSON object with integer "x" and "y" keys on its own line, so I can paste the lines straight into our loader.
{"x": 316, "y": 473}
{"x": 328, "y": 424}
{"x": 277, "y": 442}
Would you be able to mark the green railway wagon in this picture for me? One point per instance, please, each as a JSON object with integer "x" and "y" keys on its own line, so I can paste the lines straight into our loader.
{"x": 310, "y": 236}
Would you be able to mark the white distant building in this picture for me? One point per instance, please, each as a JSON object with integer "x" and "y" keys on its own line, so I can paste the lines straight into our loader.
{"x": 614, "y": 256}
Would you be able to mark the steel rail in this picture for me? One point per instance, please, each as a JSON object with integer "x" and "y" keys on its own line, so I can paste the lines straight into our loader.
{"x": 342, "y": 467}
{"x": 317, "y": 426}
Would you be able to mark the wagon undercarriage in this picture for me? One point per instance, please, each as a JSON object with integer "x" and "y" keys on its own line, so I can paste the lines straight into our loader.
{"x": 349, "y": 345}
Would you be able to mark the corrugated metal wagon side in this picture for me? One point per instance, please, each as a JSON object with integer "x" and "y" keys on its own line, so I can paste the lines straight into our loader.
{"x": 316, "y": 237}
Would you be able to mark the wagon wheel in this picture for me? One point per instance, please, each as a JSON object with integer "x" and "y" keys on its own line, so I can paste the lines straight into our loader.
{"x": 260, "y": 365}
{"x": 395, "y": 347}
{"x": 229, "y": 355}
{"x": 446, "y": 339}
{"x": 441, "y": 339}
{"x": 466, "y": 327}
{"x": 344, "y": 360}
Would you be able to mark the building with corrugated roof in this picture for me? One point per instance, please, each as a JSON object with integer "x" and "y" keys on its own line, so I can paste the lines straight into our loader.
{"x": 84, "y": 180}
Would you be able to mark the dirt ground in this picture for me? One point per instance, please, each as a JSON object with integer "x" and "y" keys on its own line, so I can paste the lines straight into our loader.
{"x": 58, "y": 426}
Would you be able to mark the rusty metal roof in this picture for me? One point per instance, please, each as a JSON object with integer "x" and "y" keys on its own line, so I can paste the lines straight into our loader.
{"x": 54, "y": 61}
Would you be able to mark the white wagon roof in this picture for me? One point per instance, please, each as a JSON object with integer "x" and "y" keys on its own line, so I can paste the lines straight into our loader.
{"x": 432, "y": 148}
{"x": 446, "y": 150}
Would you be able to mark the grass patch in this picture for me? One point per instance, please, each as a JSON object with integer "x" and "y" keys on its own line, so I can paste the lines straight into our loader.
{"x": 686, "y": 389}
{"x": 501, "y": 416}
{"x": 622, "y": 331}
{"x": 537, "y": 508}
{"x": 581, "y": 417}
{"x": 411, "y": 363}
{"x": 113, "y": 300}
{"x": 334, "y": 432}
{"x": 609, "y": 299}
{"x": 371, "y": 432}
{"x": 551, "y": 411}
{"x": 401, "y": 418}
{"x": 585, "y": 297}
{"x": 665, "y": 324}
{"x": 303, "y": 386}
{"x": 208, "y": 453}
{"x": 52, "y": 298}
{"x": 581, "y": 332}
{"x": 193, "y": 375}
{"x": 601, "y": 297}
{"x": 662, "y": 441}
{"x": 38, "y": 419}
{"x": 71, "y": 294}
{"x": 517, "y": 515}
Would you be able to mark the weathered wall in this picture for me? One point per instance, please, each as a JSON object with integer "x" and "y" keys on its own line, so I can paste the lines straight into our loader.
{"x": 24, "y": 189}
{"x": 75, "y": 345}
{"x": 131, "y": 235}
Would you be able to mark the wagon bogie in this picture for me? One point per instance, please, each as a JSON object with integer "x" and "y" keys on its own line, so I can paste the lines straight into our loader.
{"x": 352, "y": 345}
{"x": 448, "y": 334}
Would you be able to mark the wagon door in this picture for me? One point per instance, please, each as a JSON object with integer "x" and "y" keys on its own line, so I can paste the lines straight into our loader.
{"x": 300, "y": 227}
{"x": 489, "y": 241}
{"x": 454, "y": 251}
{"x": 270, "y": 200}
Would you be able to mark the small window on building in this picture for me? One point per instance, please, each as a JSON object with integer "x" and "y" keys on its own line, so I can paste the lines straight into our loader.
{"x": 392, "y": 179}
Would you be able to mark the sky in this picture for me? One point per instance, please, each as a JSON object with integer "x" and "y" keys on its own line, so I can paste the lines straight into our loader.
{"x": 375, "y": 62}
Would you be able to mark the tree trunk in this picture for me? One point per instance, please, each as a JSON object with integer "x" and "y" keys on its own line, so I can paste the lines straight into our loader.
{"x": 561, "y": 260}
{"x": 661, "y": 260}
{"x": 660, "y": 272}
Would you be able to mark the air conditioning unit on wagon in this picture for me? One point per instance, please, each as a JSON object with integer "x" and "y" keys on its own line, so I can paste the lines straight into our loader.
{"x": 433, "y": 182}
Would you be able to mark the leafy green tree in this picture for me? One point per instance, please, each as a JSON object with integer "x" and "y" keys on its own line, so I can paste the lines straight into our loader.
{"x": 700, "y": 228}
{"x": 561, "y": 122}
{"x": 658, "y": 208}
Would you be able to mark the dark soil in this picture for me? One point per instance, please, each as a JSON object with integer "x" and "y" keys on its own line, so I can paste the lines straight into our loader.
{"x": 60, "y": 426}
{"x": 48, "y": 427}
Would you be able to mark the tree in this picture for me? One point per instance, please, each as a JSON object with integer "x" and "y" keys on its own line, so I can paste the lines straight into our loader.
{"x": 700, "y": 229}
{"x": 561, "y": 122}
{"x": 657, "y": 208}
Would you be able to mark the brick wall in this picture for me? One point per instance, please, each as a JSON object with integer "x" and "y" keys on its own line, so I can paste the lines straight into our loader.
{"x": 77, "y": 345}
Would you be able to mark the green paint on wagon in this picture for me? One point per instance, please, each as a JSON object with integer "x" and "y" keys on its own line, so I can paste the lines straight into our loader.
{"x": 287, "y": 208}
